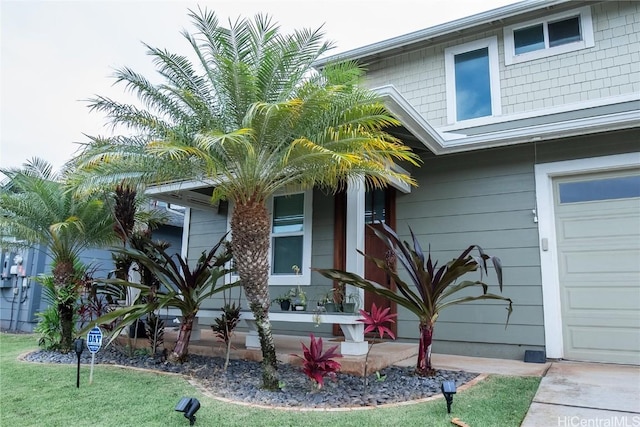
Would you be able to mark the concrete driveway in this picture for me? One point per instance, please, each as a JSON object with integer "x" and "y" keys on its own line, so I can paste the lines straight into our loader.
{"x": 576, "y": 394}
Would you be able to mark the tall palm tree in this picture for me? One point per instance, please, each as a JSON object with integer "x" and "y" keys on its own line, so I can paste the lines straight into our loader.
{"x": 38, "y": 209}
{"x": 253, "y": 116}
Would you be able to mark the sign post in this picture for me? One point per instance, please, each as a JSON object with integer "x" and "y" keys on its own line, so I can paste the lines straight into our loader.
{"x": 94, "y": 342}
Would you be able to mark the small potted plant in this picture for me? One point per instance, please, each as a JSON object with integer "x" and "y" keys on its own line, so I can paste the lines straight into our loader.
{"x": 353, "y": 299}
{"x": 332, "y": 300}
{"x": 300, "y": 299}
{"x": 285, "y": 300}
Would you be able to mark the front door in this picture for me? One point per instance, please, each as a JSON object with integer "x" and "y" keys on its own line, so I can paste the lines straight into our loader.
{"x": 379, "y": 208}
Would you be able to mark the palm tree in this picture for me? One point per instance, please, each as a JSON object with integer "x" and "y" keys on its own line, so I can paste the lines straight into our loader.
{"x": 429, "y": 289}
{"x": 37, "y": 208}
{"x": 253, "y": 117}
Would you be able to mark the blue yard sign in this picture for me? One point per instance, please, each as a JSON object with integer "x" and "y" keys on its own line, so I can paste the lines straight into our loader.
{"x": 94, "y": 340}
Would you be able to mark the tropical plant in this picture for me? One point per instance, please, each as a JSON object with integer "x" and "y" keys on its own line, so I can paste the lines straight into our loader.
{"x": 375, "y": 321}
{"x": 224, "y": 325}
{"x": 37, "y": 208}
{"x": 48, "y": 327}
{"x": 251, "y": 117}
{"x": 48, "y": 320}
{"x": 183, "y": 288}
{"x": 430, "y": 289}
{"x": 317, "y": 365}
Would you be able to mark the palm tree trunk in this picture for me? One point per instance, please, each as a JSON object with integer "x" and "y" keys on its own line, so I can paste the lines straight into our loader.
{"x": 423, "y": 366}
{"x": 64, "y": 281}
{"x": 181, "y": 350}
{"x": 250, "y": 228}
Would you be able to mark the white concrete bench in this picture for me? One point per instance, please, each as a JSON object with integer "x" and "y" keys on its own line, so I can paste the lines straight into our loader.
{"x": 353, "y": 345}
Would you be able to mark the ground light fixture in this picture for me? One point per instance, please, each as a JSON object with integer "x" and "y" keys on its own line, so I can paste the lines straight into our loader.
{"x": 78, "y": 346}
{"x": 448, "y": 390}
{"x": 188, "y": 405}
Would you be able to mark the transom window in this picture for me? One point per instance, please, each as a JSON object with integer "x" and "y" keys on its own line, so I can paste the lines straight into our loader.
{"x": 559, "y": 33}
{"x": 473, "y": 85}
{"x": 600, "y": 189}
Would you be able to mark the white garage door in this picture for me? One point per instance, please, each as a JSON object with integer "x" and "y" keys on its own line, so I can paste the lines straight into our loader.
{"x": 598, "y": 237}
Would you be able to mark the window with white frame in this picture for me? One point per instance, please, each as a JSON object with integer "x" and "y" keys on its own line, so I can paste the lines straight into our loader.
{"x": 473, "y": 81}
{"x": 290, "y": 238}
{"x": 559, "y": 33}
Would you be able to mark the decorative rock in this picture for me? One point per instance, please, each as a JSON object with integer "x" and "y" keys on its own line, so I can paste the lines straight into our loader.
{"x": 242, "y": 381}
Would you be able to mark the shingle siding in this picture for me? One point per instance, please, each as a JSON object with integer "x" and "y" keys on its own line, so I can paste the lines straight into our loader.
{"x": 610, "y": 68}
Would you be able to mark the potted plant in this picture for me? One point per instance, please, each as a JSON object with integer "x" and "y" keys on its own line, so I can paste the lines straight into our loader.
{"x": 332, "y": 300}
{"x": 298, "y": 296}
{"x": 285, "y": 300}
{"x": 299, "y": 299}
{"x": 353, "y": 299}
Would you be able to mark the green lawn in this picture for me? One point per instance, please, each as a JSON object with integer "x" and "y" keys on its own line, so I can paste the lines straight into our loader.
{"x": 46, "y": 395}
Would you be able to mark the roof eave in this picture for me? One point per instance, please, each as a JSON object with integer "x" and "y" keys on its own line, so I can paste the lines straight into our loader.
{"x": 432, "y": 139}
{"x": 428, "y": 34}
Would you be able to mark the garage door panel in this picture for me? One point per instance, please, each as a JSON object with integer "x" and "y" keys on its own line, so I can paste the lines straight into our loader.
{"x": 604, "y": 298}
{"x": 598, "y": 245}
{"x": 608, "y": 339}
{"x": 602, "y": 227}
{"x": 590, "y": 261}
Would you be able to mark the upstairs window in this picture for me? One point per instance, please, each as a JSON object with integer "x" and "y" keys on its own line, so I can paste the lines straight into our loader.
{"x": 473, "y": 85}
{"x": 559, "y": 33}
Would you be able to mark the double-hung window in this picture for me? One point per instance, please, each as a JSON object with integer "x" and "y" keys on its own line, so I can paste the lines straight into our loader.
{"x": 290, "y": 238}
{"x": 556, "y": 34}
{"x": 473, "y": 81}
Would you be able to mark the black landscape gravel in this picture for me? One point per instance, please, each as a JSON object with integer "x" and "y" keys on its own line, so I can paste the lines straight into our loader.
{"x": 242, "y": 380}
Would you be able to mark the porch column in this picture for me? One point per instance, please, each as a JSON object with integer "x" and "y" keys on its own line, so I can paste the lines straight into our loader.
{"x": 354, "y": 261}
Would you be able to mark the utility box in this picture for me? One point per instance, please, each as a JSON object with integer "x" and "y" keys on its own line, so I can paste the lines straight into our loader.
{"x": 6, "y": 278}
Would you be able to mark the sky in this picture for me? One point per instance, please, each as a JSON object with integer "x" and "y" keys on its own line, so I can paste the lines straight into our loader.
{"x": 54, "y": 55}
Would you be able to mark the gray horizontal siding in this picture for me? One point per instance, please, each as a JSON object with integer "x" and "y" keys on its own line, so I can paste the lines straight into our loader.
{"x": 205, "y": 230}
{"x": 484, "y": 198}
{"x": 582, "y": 147}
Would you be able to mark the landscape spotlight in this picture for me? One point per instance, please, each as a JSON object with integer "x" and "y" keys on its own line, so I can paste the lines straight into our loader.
{"x": 78, "y": 346}
{"x": 188, "y": 405}
{"x": 448, "y": 390}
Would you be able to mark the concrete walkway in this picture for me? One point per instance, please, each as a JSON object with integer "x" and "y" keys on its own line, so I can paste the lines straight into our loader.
{"x": 573, "y": 394}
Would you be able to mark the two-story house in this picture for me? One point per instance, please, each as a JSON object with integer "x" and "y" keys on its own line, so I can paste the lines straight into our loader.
{"x": 527, "y": 118}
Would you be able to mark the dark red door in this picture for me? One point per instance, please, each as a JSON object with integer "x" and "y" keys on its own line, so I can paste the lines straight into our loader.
{"x": 379, "y": 207}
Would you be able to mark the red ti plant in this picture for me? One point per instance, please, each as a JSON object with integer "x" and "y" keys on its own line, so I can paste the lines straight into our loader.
{"x": 375, "y": 321}
{"x": 425, "y": 289}
{"x": 317, "y": 365}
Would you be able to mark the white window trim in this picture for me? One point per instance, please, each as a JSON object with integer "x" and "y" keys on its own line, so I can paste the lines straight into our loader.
{"x": 304, "y": 278}
{"x": 494, "y": 78}
{"x": 545, "y": 173}
{"x": 586, "y": 30}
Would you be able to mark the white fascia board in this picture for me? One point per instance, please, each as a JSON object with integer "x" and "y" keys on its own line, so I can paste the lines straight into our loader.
{"x": 402, "y": 110}
{"x": 445, "y": 143}
{"x": 172, "y": 187}
{"x": 583, "y": 126}
{"x": 428, "y": 34}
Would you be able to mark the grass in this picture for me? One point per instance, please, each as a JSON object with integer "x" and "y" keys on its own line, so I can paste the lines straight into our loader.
{"x": 46, "y": 395}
